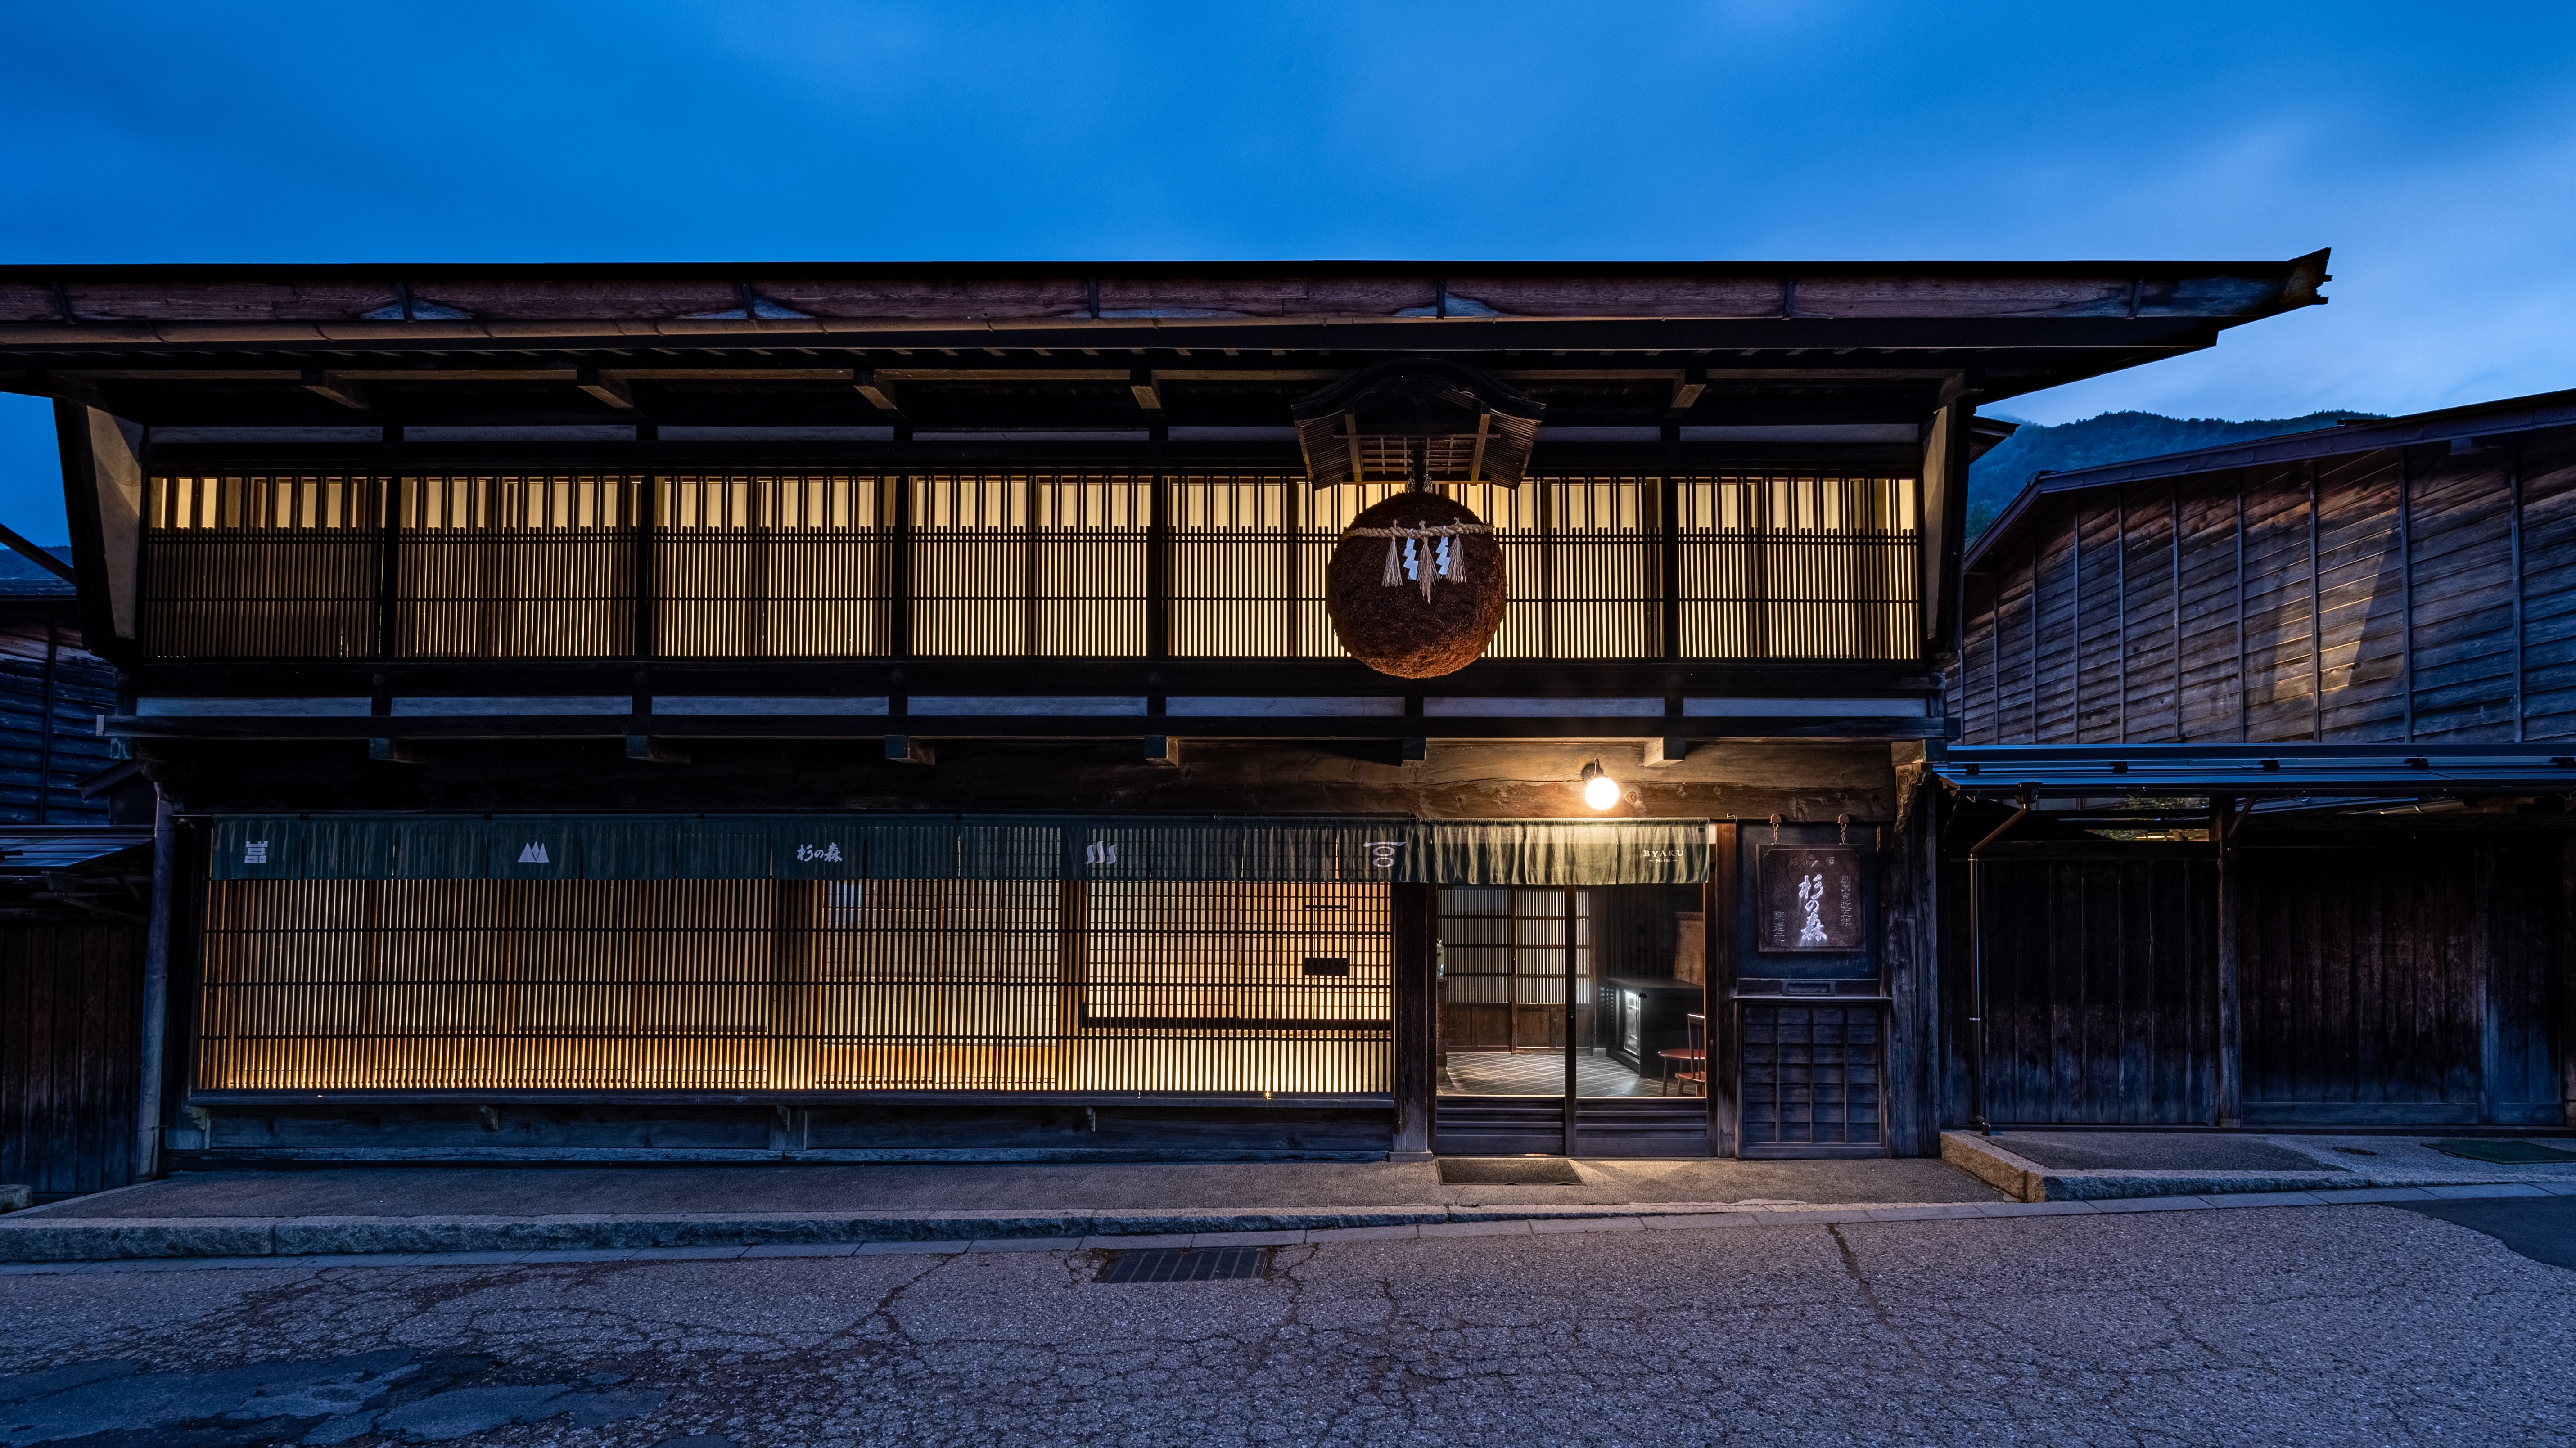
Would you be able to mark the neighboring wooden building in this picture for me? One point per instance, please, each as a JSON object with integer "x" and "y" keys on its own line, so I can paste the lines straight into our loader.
{"x": 890, "y": 712}
{"x": 73, "y": 897}
{"x": 2348, "y": 656}
{"x": 52, "y": 694}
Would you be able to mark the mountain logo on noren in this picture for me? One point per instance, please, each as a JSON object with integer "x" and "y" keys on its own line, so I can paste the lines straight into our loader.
{"x": 533, "y": 854}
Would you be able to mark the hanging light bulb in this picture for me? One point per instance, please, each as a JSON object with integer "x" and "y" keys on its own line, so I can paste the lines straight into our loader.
{"x": 1599, "y": 790}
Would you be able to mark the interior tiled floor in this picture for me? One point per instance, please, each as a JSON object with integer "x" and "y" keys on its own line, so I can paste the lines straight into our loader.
{"x": 1542, "y": 1073}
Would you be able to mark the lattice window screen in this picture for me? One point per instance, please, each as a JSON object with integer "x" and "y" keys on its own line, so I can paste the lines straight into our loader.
{"x": 515, "y": 566}
{"x": 1767, "y": 566}
{"x": 752, "y": 985}
{"x": 774, "y": 566}
{"x": 1800, "y": 567}
{"x": 260, "y": 566}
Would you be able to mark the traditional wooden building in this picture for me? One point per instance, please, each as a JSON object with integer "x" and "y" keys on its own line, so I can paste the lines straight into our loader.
{"x": 2296, "y": 720}
{"x": 897, "y": 712}
{"x": 52, "y": 691}
{"x": 74, "y": 894}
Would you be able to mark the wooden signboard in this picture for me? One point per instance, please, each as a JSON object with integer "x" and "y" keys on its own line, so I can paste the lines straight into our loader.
{"x": 1810, "y": 898}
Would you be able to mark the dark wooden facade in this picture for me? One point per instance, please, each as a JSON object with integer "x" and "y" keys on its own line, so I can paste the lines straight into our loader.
{"x": 2390, "y": 582}
{"x": 52, "y": 694}
{"x": 2333, "y": 664}
{"x": 879, "y": 544}
{"x": 70, "y": 1027}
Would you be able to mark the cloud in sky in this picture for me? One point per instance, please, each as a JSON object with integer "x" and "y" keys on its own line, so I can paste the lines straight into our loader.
{"x": 2433, "y": 148}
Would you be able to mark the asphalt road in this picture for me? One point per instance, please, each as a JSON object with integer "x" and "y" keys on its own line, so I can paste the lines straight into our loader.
{"x": 2334, "y": 1325}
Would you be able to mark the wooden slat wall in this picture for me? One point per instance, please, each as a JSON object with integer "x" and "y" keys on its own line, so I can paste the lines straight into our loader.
{"x": 40, "y": 779}
{"x": 2361, "y": 592}
{"x": 2151, "y": 692}
{"x": 2419, "y": 982}
{"x": 2549, "y": 592}
{"x": 2099, "y": 1005}
{"x": 69, "y": 1037}
{"x": 2402, "y": 985}
{"x": 2212, "y": 572}
{"x": 2374, "y": 597}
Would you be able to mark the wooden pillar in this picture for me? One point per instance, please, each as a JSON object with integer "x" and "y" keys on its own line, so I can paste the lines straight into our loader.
{"x": 1414, "y": 1007}
{"x": 647, "y": 502}
{"x": 1573, "y": 1091}
{"x": 898, "y": 574}
{"x": 389, "y": 566}
{"x": 2491, "y": 1001}
{"x": 1719, "y": 968}
{"x": 2565, "y": 974}
{"x": 1158, "y": 568}
{"x": 1909, "y": 874}
{"x": 1668, "y": 542}
{"x": 2231, "y": 1032}
{"x": 47, "y": 725}
{"x": 152, "y": 1049}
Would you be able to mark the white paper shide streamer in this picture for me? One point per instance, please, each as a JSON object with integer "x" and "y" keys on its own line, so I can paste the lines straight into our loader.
{"x": 1405, "y": 546}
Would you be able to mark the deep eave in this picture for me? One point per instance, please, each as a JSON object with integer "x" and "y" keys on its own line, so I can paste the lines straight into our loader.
{"x": 1211, "y": 343}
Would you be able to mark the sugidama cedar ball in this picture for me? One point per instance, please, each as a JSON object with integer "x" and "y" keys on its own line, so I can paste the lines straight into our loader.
{"x": 1395, "y": 630}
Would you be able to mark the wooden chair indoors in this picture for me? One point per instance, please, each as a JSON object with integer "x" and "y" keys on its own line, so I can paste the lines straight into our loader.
{"x": 1691, "y": 1057}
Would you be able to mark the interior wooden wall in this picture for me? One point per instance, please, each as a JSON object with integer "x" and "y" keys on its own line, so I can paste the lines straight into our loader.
{"x": 2386, "y": 596}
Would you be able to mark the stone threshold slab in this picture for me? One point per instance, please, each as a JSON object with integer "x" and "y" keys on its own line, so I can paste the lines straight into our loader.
{"x": 2024, "y": 1180}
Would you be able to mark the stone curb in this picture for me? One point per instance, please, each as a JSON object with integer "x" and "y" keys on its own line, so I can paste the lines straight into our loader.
{"x": 423, "y": 1241}
{"x": 2024, "y": 1180}
{"x": 1679, "y": 1217}
{"x": 70, "y": 1239}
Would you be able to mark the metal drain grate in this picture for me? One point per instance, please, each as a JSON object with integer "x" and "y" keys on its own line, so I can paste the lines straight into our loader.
{"x": 1186, "y": 1264}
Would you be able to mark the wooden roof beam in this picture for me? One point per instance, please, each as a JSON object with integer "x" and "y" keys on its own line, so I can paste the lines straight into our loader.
{"x": 878, "y": 389}
{"x": 1686, "y": 390}
{"x": 62, "y": 387}
{"x": 338, "y": 387}
{"x": 610, "y": 388}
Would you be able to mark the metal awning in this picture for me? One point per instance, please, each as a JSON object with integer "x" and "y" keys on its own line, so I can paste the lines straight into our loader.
{"x": 27, "y": 849}
{"x": 2403, "y": 771}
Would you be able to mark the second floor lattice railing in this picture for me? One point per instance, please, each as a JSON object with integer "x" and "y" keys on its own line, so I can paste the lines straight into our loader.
{"x": 994, "y": 565}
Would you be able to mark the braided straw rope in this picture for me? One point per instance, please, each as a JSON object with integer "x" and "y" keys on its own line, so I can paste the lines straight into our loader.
{"x": 1453, "y": 568}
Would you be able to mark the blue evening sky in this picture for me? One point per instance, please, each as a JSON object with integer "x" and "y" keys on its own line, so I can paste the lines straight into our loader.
{"x": 2432, "y": 146}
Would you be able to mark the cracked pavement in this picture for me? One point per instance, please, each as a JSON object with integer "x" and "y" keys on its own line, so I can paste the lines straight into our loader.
{"x": 2357, "y": 1324}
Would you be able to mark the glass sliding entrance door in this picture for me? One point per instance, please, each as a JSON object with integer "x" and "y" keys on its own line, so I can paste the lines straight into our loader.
{"x": 1569, "y": 1020}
